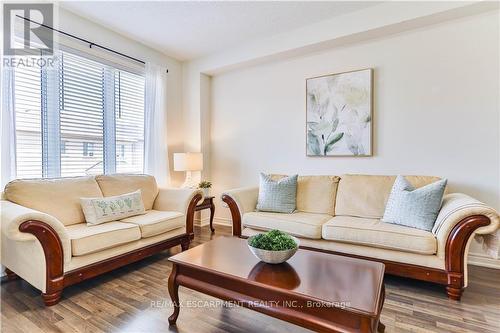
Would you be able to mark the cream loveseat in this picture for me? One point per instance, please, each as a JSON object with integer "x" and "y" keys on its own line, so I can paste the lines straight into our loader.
{"x": 342, "y": 215}
{"x": 46, "y": 241}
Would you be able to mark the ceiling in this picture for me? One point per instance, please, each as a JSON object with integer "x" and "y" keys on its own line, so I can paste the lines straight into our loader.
{"x": 187, "y": 30}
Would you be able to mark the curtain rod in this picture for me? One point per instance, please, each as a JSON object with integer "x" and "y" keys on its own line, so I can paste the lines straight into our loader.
{"x": 84, "y": 40}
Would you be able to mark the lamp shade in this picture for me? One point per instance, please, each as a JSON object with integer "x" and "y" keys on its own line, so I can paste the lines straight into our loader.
{"x": 188, "y": 161}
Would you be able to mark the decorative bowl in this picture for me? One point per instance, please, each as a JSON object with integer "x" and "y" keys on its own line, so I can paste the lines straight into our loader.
{"x": 273, "y": 257}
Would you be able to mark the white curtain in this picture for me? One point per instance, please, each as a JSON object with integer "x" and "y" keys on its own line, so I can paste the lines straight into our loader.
{"x": 8, "y": 129}
{"x": 155, "y": 138}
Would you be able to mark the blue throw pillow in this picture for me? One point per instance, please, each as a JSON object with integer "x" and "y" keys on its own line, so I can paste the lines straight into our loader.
{"x": 416, "y": 208}
{"x": 277, "y": 196}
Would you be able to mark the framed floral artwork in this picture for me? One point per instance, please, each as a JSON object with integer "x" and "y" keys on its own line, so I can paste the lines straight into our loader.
{"x": 339, "y": 114}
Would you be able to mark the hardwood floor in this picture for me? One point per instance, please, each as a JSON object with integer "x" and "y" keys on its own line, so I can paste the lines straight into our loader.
{"x": 135, "y": 299}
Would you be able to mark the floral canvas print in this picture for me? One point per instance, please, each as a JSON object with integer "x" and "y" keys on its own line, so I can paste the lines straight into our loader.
{"x": 339, "y": 114}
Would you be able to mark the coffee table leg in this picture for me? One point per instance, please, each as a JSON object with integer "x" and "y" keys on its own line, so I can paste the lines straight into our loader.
{"x": 173, "y": 290}
{"x": 212, "y": 213}
{"x": 380, "y": 326}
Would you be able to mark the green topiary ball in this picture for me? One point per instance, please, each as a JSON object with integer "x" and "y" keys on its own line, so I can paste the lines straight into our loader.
{"x": 273, "y": 240}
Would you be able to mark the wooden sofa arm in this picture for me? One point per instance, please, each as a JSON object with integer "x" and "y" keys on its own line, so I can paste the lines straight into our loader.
{"x": 22, "y": 224}
{"x": 456, "y": 252}
{"x": 235, "y": 214}
{"x": 190, "y": 215}
{"x": 54, "y": 254}
{"x": 240, "y": 201}
{"x": 459, "y": 219}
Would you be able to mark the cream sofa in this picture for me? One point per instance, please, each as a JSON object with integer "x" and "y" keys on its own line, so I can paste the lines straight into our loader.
{"x": 342, "y": 215}
{"x": 46, "y": 241}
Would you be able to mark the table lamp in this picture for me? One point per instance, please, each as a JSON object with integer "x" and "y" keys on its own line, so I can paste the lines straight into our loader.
{"x": 188, "y": 162}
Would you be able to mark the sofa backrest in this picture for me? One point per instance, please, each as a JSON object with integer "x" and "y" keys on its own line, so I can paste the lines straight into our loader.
{"x": 315, "y": 194}
{"x": 366, "y": 195}
{"x": 59, "y": 197}
{"x": 118, "y": 184}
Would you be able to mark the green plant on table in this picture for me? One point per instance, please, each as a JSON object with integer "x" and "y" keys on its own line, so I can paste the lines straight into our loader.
{"x": 205, "y": 184}
{"x": 273, "y": 240}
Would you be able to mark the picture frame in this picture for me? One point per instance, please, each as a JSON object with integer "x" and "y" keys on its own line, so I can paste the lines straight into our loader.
{"x": 339, "y": 114}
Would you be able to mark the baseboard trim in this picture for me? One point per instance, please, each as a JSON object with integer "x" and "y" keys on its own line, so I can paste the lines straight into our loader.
{"x": 202, "y": 222}
{"x": 223, "y": 221}
{"x": 483, "y": 261}
{"x": 217, "y": 221}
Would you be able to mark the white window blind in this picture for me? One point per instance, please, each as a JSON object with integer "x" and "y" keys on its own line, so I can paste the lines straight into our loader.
{"x": 28, "y": 121}
{"x": 129, "y": 115}
{"x": 82, "y": 112}
{"x": 81, "y": 118}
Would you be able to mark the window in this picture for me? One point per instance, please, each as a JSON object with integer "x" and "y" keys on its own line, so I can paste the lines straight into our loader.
{"x": 83, "y": 117}
{"x": 121, "y": 155}
{"x": 88, "y": 149}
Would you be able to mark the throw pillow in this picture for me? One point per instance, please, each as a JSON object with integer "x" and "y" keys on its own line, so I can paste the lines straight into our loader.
{"x": 416, "y": 208}
{"x": 100, "y": 210}
{"x": 277, "y": 196}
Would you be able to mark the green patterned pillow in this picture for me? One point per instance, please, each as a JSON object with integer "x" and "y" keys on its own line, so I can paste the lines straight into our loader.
{"x": 416, "y": 208}
{"x": 279, "y": 196}
{"x": 100, "y": 210}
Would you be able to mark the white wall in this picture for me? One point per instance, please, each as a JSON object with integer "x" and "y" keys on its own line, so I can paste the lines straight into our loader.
{"x": 436, "y": 110}
{"x": 89, "y": 30}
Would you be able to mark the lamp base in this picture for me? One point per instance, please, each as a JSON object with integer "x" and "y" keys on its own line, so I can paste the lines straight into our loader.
{"x": 189, "y": 182}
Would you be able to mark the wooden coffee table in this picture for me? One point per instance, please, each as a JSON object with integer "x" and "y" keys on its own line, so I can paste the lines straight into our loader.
{"x": 318, "y": 291}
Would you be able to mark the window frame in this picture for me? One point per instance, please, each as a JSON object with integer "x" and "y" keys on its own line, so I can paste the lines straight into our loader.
{"x": 109, "y": 158}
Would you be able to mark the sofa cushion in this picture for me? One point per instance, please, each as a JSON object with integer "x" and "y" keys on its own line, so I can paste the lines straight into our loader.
{"x": 58, "y": 197}
{"x": 372, "y": 252}
{"x": 89, "y": 239}
{"x": 118, "y": 184}
{"x": 156, "y": 222}
{"x": 307, "y": 225}
{"x": 373, "y": 232}
{"x": 366, "y": 195}
{"x": 316, "y": 194}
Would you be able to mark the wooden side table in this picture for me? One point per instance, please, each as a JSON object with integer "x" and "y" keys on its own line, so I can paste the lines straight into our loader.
{"x": 208, "y": 203}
